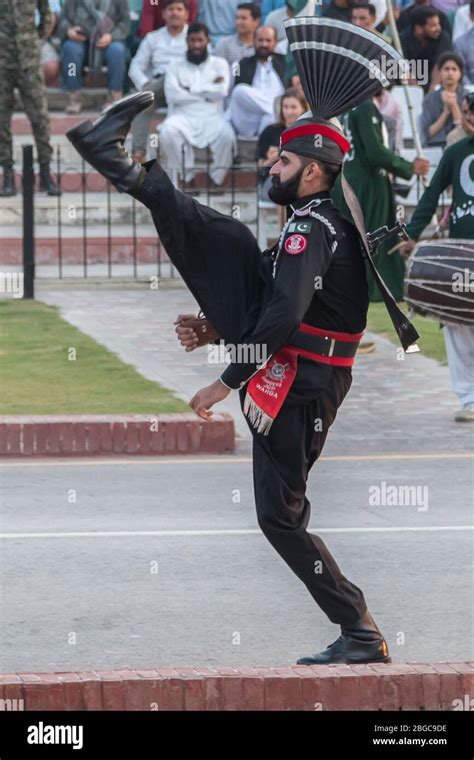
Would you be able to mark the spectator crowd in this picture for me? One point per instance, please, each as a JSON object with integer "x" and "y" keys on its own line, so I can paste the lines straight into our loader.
{"x": 221, "y": 68}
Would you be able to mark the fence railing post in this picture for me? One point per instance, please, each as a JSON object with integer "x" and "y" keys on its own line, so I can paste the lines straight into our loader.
{"x": 28, "y": 223}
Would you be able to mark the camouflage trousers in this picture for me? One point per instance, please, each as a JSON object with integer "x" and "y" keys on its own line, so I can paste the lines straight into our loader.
{"x": 30, "y": 84}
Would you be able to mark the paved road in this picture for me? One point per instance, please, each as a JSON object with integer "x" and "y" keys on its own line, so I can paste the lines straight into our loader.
{"x": 139, "y": 562}
{"x": 162, "y": 563}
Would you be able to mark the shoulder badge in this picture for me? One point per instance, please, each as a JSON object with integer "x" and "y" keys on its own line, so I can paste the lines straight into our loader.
{"x": 296, "y": 240}
{"x": 295, "y": 244}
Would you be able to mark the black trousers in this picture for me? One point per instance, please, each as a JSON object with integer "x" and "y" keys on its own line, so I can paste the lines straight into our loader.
{"x": 220, "y": 262}
{"x": 282, "y": 461}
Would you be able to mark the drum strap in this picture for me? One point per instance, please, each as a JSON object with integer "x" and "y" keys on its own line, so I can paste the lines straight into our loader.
{"x": 404, "y": 328}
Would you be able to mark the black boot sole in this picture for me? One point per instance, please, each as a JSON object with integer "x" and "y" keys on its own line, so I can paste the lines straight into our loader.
{"x": 142, "y": 99}
{"x": 383, "y": 661}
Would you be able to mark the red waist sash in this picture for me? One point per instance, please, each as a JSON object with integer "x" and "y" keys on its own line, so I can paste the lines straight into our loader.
{"x": 268, "y": 388}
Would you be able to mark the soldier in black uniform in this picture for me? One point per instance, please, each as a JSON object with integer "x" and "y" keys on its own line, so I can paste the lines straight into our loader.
{"x": 305, "y": 302}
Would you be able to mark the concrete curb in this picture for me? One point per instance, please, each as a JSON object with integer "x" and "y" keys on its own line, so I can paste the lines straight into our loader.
{"x": 404, "y": 686}
{"x": 100, "y": 435}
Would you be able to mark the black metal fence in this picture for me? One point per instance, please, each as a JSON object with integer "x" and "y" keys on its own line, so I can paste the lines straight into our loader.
{"x": 75, "y": 252}
{"x": 92, "y": 247}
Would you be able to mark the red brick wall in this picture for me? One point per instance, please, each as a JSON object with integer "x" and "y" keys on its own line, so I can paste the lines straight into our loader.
{"x": 87, "y": 435}
{"x": 404, "y": 686}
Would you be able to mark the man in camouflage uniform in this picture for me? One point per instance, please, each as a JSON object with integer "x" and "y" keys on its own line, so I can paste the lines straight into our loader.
{"x": 20, "y": 45}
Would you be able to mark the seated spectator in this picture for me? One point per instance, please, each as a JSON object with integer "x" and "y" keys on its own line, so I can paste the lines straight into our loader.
{"x": 151, "y": 17}
{"x": 49, "y": 57}
{"x": 240, "y": 44}
{"x": 423, "y": 44}
{"x": 341, "y": 10}
{"x": 292, "y": 105}
{"x": 464, "y": 47}
{"x": 363, "y": 15}
{"x": 466, "y": 127}
{"x": 442, "y": 107}
{"x": 277, "y": 17}
{"x": 371, "y": 15}
{"x": 195, "y": 88}
{"x": 404, "y": 19}
{"x": 381, "y": 12}
{"x": 219, "y": 17}
{"x": 260, "y": 80}
{"x": 147, "y": 69}
{"x": 463, "y": 20}
{"x": 97, "y": 39}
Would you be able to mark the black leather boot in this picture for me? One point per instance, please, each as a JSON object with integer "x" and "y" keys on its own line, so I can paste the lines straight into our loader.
{"x": 8, "y": 185}
{"x": 47, "y": 183}
{"x": 102, "y": 143}
{"x": 359, "y": 643}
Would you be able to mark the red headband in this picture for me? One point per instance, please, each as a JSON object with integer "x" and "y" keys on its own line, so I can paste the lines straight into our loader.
{"x": 315, "y": 129}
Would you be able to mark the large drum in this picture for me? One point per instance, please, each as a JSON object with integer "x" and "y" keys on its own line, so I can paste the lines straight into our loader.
{"x": 439, "y": 281}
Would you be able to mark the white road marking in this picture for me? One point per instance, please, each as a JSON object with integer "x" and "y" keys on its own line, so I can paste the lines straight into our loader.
{"x": 227, "y": 532}
{"x": 222, "y": 459}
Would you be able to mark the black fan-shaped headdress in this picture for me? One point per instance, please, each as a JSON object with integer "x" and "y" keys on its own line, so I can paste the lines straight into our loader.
{"x": 340, "y": 65}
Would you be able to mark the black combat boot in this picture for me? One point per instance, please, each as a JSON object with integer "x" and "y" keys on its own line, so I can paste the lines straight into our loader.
{"x": 47, "y": 183}
{"x": 359, "y": 643}
{"x": 102, "y": 144}
{"x": 8, "y": 185}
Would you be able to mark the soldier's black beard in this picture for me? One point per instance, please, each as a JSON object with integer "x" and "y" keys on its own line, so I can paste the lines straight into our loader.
{"x": 285, "y": 193}
{"x": 196, "y": 58}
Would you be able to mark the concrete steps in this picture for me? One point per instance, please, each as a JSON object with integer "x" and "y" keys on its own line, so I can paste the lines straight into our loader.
{"x": 115, "y": 228}
{"x": 93, "y": 97}
{"x": 98, "y": 206}
{"x": 73, "y": 177}
{"x": 60, "y": 123}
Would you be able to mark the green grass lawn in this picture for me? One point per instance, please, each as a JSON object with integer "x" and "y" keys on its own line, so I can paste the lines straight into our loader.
{"x": 431, "y": 341}
{"x": 38, "y": 377}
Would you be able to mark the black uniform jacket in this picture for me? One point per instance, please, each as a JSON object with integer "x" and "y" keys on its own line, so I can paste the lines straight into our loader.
{"x": 317, "y": 275}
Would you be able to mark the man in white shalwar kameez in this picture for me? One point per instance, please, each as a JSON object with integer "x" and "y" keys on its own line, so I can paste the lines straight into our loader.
{"x": 195, "y": 88}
